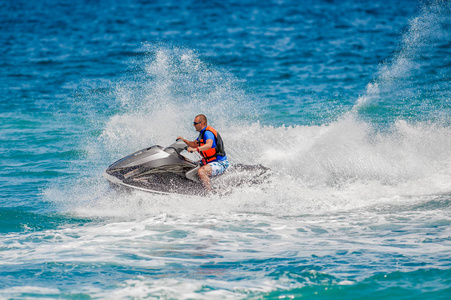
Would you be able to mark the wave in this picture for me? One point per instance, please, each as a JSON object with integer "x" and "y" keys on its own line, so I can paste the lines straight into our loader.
{"x": 343, "y": 164}
{"x": 416, "y": 78}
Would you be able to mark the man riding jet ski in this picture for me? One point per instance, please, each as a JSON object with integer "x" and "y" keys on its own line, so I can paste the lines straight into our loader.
{"x": 173, "y": 169}
{"x": 209, "y": 144}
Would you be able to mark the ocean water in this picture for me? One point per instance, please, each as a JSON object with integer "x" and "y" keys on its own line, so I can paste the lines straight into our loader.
{"x": 347, "y": 102}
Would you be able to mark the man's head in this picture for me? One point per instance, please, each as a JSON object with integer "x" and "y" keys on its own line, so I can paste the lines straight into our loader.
{"x": 200, "y": 121}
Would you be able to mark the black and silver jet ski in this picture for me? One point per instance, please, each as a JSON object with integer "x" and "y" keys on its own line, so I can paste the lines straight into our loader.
{"x": 173, "y": 170}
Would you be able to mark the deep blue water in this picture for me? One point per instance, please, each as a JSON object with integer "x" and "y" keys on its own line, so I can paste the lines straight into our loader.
{"x": 347, "y": 102}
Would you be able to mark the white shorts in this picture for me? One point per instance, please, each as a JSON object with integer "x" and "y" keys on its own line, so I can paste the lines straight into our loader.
{"x": 218, "y": 167}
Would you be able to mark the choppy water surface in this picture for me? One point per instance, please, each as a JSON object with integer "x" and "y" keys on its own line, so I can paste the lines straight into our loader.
{"x": 348, "y": 104}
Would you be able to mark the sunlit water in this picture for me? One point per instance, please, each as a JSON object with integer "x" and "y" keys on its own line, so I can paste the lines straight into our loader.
{"x": 348, "y": 104}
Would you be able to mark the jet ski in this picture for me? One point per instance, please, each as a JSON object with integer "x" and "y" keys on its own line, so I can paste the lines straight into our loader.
{"x": 173, "y": 170}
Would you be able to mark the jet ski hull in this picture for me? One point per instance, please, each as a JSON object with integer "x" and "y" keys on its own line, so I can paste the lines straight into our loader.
{"x": 188, "y": 188}
{"x": 165, "y": 171}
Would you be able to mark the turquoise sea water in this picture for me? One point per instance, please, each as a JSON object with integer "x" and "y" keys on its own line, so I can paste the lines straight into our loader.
{"x": 347, "y": 102}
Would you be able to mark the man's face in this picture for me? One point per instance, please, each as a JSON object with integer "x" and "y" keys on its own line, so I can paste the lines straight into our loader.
{"x": 197, "y": 124}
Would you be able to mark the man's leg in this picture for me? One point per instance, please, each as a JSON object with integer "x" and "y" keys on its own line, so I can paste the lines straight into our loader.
{"x": 204, "y": 173}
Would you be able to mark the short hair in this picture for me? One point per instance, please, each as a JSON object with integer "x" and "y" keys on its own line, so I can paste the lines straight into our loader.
{"x": 202, "y": 118}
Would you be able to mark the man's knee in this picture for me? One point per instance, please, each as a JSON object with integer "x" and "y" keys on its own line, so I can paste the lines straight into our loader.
{"x": 203, "y": 171}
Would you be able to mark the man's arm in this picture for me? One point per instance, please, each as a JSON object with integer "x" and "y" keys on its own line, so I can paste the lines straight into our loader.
{"x": 205, "y": 147}
{"x": 192, "y": 144}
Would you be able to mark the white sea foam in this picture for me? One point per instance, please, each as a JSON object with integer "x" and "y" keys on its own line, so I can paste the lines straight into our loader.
{"x": 342, "y": 165}
{"x": 216, "y": 256}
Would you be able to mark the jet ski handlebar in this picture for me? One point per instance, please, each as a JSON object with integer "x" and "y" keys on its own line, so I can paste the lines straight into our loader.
{"x": 179, "y": 145}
